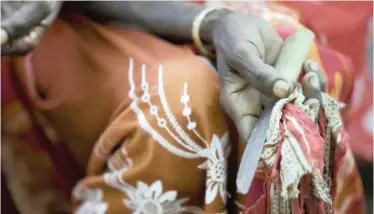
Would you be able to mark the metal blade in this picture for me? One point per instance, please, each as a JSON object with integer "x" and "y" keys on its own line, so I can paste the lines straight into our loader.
{"x": 252, "y": 152}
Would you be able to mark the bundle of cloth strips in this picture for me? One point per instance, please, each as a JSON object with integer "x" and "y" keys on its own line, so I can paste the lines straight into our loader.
{"x": 303, "y": 153}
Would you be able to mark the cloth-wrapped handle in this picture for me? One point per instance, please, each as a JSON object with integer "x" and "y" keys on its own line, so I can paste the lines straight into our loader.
{"x": 293, "y": 54}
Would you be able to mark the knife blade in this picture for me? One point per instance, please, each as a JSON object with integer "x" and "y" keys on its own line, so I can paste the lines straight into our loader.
{"x": 253, "y": 150}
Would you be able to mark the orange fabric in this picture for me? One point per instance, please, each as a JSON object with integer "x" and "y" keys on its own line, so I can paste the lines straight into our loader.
{"x": 84, "y": 90}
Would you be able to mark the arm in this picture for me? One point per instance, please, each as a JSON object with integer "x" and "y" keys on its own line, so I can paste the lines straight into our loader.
{"x": 170, "y": 19}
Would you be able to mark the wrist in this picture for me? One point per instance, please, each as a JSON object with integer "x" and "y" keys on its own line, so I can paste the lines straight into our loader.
{"x": 209, "y": 23}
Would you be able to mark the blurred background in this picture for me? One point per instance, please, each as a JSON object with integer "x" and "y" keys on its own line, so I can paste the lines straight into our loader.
{"x": 366, "y": 169}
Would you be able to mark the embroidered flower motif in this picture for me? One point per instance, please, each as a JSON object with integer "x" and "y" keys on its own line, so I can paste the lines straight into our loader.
{"x": 216, "y": 167}
{"x": 93, "y": 201}
{"x": 150, "y": 199}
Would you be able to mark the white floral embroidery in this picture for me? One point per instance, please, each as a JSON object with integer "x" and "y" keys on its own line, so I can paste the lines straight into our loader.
{"x": 215, "y": 153}
{"x": 149, "y": 199}
{"x": 93, "y": 203}
{"x": 216, "y": 168}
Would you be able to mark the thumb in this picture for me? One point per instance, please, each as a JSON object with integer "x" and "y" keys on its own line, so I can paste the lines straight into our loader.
{"x": 252, "y": 68}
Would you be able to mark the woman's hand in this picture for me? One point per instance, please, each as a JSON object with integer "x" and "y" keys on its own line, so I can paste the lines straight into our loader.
{"x": 247, "y": 47}
{"x": 23, "y": 24}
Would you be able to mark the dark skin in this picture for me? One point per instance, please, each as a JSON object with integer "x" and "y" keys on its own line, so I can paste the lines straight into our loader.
{"x": 168, "y": 25}
{"x": 246, "y": 46}
{"x": 24, "y": 23}
{"x": 18, "y": 21}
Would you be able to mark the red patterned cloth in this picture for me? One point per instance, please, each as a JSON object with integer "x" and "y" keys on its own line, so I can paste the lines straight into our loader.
{"x": 300, "y": 157}
{"x": 304, "y": 156}
{"x": 345, "y": 190}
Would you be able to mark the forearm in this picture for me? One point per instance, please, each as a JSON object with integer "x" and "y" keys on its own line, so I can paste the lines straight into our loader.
{"x": 170, "y": 19}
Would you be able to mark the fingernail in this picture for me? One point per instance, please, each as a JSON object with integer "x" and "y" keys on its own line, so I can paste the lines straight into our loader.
{"x": 312, "y": 102}
{"x": 314, "y": 106}
{"x": 33, "y": 35}
{"x": 3, "y": 36}
{"x": 313, "y": 66}
{"x": 282, "y": 88}
{"x": 314, "y": 81}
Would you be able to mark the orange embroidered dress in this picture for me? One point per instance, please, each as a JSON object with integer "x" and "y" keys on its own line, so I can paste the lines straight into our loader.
{"x": 101, "y": 119}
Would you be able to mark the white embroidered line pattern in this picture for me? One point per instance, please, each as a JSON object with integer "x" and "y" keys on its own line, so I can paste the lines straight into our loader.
{"x": 215, "y": 153}
{"x": 144, "y": 123}
{"x": 131, "y": 80}
{"x": 187, "y": 113}
{"x": 171, "y": 117}
{"x": 162, "y": 123}
{"x": 146, "y": 198}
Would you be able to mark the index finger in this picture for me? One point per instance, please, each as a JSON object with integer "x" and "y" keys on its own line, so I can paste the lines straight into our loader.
{"x": 290, "y": 60}
{"x": 251, "y": 67}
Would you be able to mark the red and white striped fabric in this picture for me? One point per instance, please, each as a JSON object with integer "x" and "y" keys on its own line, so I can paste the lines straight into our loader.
{"x": 306, "y": 157}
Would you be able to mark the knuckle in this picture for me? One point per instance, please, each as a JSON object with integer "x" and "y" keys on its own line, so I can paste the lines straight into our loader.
{"x": 238, "y": 53}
